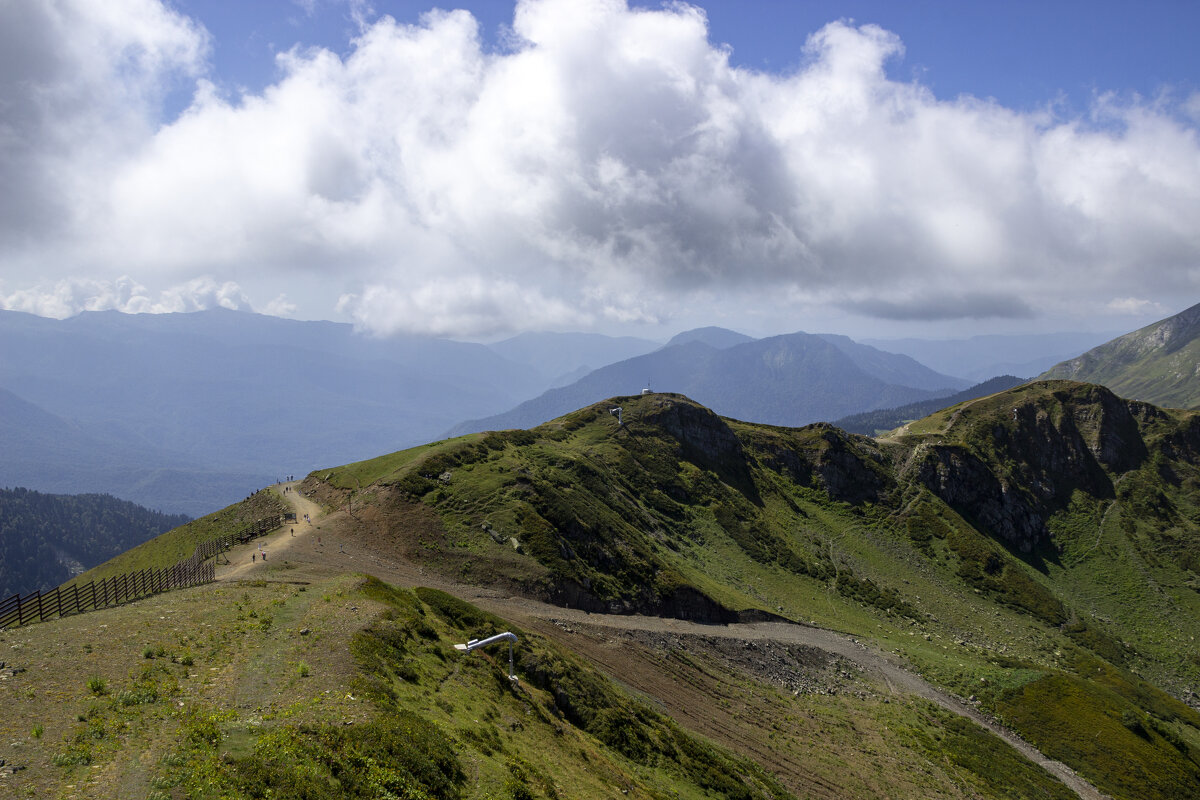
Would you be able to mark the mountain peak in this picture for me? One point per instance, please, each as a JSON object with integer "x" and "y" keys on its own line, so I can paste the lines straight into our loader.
{"x": 720, "y": 338}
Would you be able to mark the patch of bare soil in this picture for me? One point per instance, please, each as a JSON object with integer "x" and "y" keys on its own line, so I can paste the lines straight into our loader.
{"x": 795, "y": 668}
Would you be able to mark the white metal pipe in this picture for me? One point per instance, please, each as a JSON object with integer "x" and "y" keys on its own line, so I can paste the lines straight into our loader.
{"x": 507, "y": 636}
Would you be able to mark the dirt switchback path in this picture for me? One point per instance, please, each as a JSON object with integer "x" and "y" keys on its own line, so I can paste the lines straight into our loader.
{"x": 346, "y": 548}
{"x": 894, "y": 675}
{"x": 277, "y": 543}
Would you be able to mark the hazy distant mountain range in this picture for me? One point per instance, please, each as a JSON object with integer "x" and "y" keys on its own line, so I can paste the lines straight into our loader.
{"x": 188, "y": 412}
{"x": 792, "y": 379}
{"x": 562, "y": 358}
{"x": 1159, "y": 363}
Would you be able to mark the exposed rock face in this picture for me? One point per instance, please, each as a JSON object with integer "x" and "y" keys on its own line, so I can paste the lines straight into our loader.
{"x": 967, "y": 484}
{"x": 705, "y": 439}
{"x": 849, "y": 471}
{"x": 1183, "y": 444}
{"x": 1013, "y": 476}
{"x": 1172, "y": 333}
{"x": 849, "y": 467}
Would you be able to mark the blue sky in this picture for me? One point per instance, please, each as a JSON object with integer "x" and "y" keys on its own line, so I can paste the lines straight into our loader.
{"x": 1026, "y": 54}
{"x": 869, "y": 168}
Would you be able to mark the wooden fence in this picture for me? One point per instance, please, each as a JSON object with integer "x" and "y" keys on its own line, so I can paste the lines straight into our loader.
{"x": 76, "y": 599}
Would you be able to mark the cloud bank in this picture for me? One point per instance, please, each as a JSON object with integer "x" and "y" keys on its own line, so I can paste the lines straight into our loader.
{"x": 609, "y": 165}
{"x": 68, "y": 297}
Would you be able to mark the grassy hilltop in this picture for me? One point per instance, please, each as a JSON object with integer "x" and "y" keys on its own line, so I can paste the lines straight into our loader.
{"x": 1032, "y": 553}
{"x": 1035, "y": 550}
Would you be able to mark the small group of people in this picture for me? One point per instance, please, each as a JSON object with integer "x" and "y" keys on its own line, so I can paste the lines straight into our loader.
{"x": 261, "y": 552}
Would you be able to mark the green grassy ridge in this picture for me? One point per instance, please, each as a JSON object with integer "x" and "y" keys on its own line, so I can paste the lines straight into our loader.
{"x": 1155, "y": 363}
{"x": 608, "y": 515}
{"x": 226, "y": 701}
{"x": 883, "y": 420}
{"x": 825, "y": 526}
{"x": 447, "y": 725}
{"x": 453, "y": 726}
{"x": 179, "y": 543}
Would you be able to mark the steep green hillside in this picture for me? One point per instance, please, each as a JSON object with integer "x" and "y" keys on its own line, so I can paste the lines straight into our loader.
{"x": 1157, "y": 364}
{"x": 179, "y": 543}
{"x": 1033, "y": 550}
{"x": 347, "y": 687}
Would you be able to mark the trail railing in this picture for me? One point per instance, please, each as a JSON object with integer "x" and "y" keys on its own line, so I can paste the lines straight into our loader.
{"x": 78, "y": 598}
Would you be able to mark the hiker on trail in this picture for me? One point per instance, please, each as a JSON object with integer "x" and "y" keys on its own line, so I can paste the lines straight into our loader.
{"x": 264, "y": 555}
{"x": 293, "y": 530}
{"x": 253, "y": 557}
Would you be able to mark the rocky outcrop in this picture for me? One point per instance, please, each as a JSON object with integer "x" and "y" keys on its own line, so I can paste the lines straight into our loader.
{"x": 969, "y": 486}
{"x": 704, "y": 438}
{"x": 848, "y": 471}
{"x": 1009, "y": 473}
{"x": 848, "y": 467}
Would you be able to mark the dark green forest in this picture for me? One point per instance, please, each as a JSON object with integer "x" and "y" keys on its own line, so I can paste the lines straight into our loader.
{"x": 47, "y": 538}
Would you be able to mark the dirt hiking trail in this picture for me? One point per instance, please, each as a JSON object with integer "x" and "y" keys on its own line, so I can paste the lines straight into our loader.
{"x": 244, "y": 560}
{"x": 324, "y": 544}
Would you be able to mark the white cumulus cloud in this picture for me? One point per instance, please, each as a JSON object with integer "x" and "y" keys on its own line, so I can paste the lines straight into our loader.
{"x": 68, "y": 297}
{"x": 610, "y": 165}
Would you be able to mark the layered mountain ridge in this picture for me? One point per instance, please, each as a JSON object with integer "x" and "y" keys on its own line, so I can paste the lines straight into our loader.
{"x": 1050, "y": 531}
{"x": 1159, "y": 363}
{"x": 791, "y": 379}
{"x": 1029, "y": 557}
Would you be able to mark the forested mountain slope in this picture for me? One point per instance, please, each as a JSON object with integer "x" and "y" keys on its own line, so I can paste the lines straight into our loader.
{"x": 46, "y": 538}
